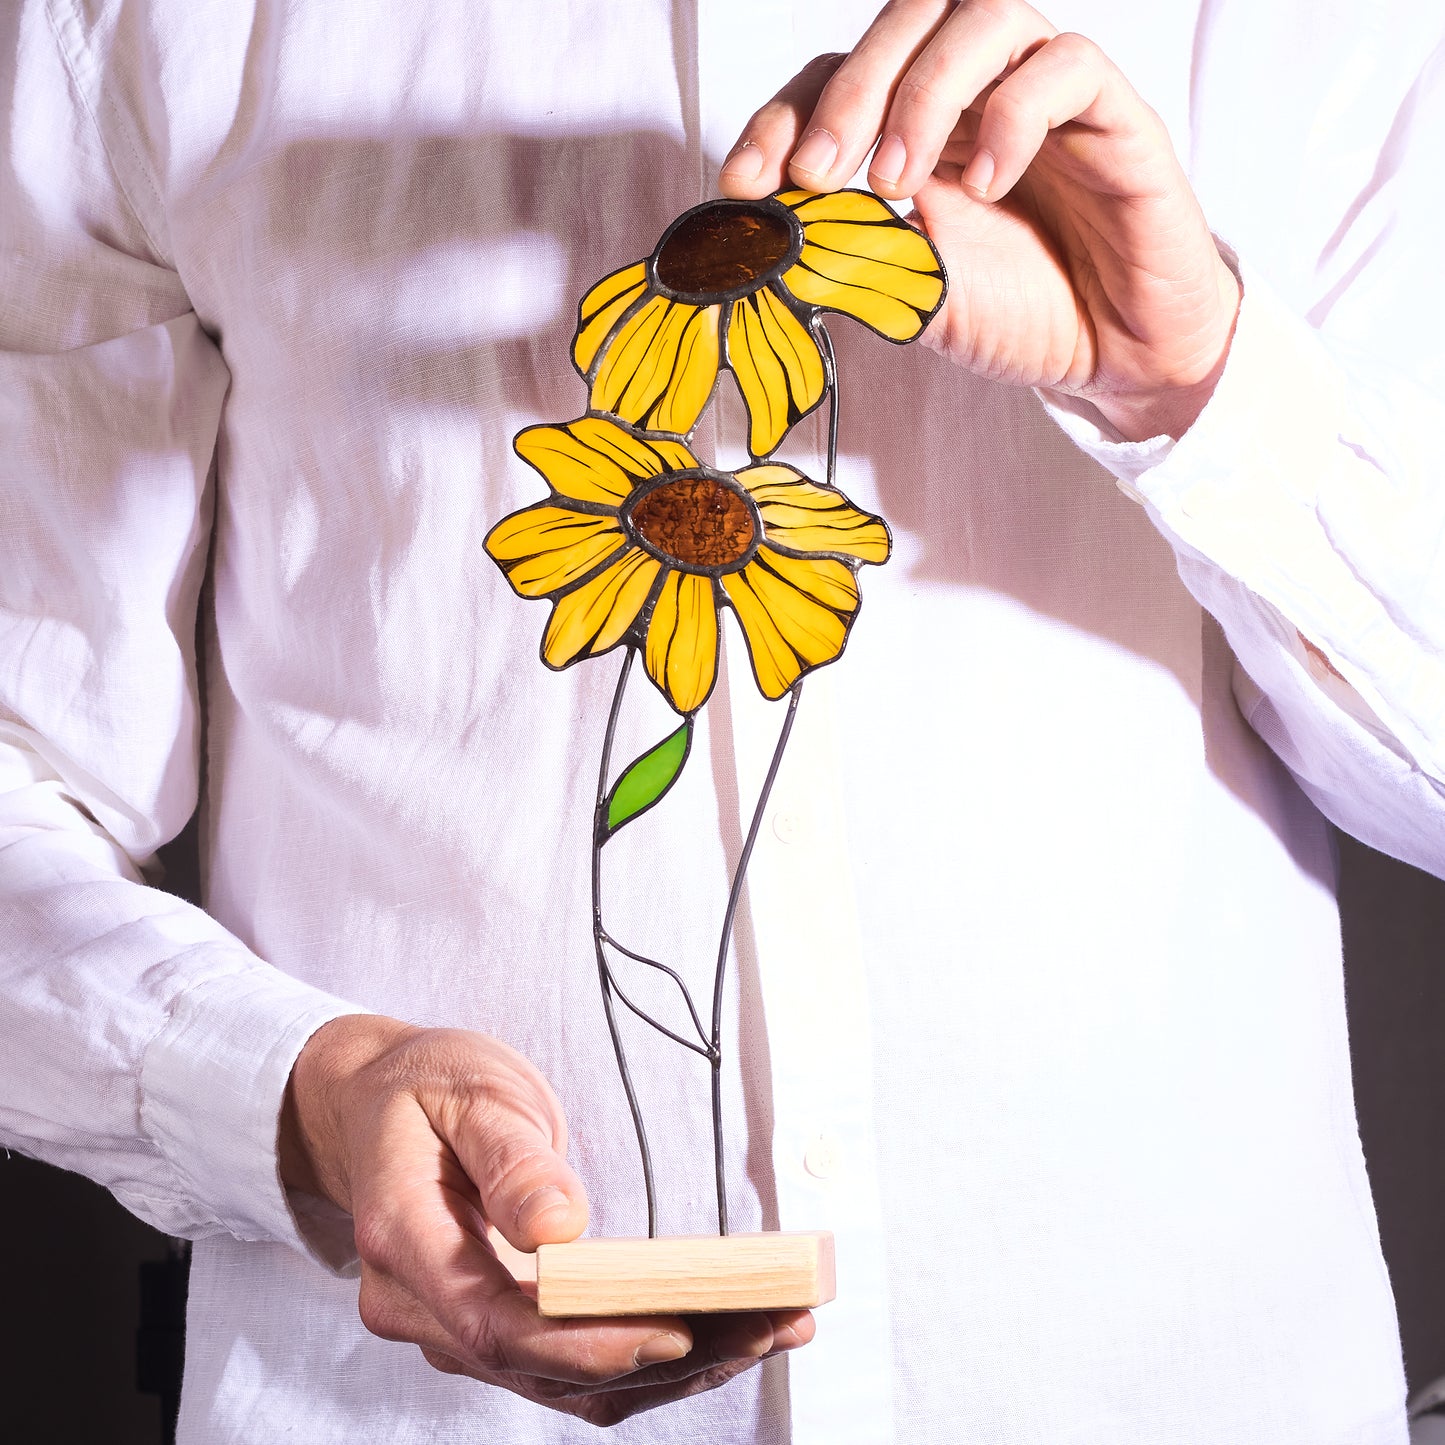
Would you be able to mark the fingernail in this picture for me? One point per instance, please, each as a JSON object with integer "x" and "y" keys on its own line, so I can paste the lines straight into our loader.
{"x": 785, "y": 1337}
{"x": 744, "y": 1343}
{"x": 978, "y": 174}
{"x": 745, "y": 163}
{"x": 889, "y": 159}
{"x": 816, "y": 154}
{"x": 659, "y": 1350}
{"x": 537, "y": 1203}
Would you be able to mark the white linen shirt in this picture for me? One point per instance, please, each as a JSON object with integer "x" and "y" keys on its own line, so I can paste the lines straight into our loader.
{"x": 1037, "y": 998}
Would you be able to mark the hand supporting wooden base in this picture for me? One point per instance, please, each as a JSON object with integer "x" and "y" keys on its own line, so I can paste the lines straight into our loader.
{"x": 685, "y": 1274}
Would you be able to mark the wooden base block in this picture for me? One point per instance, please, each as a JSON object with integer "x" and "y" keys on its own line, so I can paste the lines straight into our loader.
{"x": 685, "y": 1274}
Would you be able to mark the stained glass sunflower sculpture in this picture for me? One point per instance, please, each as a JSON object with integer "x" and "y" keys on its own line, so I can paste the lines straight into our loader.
{"x": 641, "y": 547}
{"x": 739, "y": 284}
{"x": 640, "y": 543}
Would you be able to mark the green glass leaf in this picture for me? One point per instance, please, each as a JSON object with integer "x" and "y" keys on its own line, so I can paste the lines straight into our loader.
{"x": 647, "y": 779}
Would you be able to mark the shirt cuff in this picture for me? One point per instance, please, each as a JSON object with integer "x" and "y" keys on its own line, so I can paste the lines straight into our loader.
{"x": 1240, "y": 491}
{"x": 212, "y": 1084}
{"x": 1095, "y": 436}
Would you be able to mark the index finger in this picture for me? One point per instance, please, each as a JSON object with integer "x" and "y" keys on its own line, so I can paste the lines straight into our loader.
{"x": 836, "y": 105}
{"x": 757, "y": 165}
{"x": 904, "y": 85}
{"x": 977, "y": 46}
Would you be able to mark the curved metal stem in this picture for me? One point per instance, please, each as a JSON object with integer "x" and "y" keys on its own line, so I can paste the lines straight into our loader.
{"x": 734, "y": 894}
{"x": 604, "y": 973}
{"x": 673, "y": 975}
{"x": 825, "y": 345}
{"x": 647, "y": 1018}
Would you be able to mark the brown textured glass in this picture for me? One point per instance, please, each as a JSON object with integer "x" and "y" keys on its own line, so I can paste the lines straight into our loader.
{"x": 695, "y": 520}
{"x": 723, "y": 248}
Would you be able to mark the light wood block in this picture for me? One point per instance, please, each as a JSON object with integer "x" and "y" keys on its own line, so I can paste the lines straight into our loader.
{"x": 685, "y": 1274}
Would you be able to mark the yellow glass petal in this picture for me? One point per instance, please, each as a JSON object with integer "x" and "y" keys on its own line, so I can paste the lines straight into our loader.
{"x": 596, "y": 615}
{"x": 594, "y": 459}
{"x": 574, "y": 465}
{"x": 760, "y": 379}
{"x": 840, "y": 206}
{"x": 674, "y": 454}
{"x": 694, "y": 375}
{"x": 800, "y": 515}
{"x": 652, "y": 363}
{"x": 787, "y": 629}
{"x": 778, "y": 366}
{"x": 884, "y": 314}
{"x": 898, "y": 245}
{"x": 682, "y": 640}
{"x": 795, "y": 346}
{"x": 629, "y": 345}
{"x": 775, "y": 665}
{"x": 824, "y": 579}
{"x": 764, "y": 475}
{"x": 638, "y": 456}
{"x": 601, "y": 307}
{"x": 660, "y": 367}
{"x": 918, "y": 289}
{"x": 542, "y": 549}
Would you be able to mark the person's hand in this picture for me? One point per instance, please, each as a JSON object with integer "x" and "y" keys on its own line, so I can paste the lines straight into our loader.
{"x": 1078, "y": 258}
{"x": 427, "y": 1135}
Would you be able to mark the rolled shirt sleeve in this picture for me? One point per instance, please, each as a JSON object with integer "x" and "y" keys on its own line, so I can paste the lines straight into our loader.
{"x": 140, "y": 1043}
{"x": 1306, "y": 512}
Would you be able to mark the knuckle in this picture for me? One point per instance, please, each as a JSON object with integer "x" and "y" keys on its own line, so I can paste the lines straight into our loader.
{"x": 720, "y": 1374}
{"x": 394, "y": 1069}
{"x": 439, "y": 1056}
{"x": 919, "y": 90}
{"x": 1010, "y": 108}
{"x": 444, "y": 1363}
{"x": 913, "y": 13}
{"x": 377, "y": 1238}
{"x": 1077, "y": 49}
{"x": 605, "y": 1411}
{"x": 1003, "y": 13}
{"x": 765, "y": 119}
{"x": 845, "y": 89}
{"x": 824, "y": 64}
{"x": 379, "y": 1313}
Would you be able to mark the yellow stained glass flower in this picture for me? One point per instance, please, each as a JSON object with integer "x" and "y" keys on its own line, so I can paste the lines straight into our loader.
{"x": 639, "y": 542}
{"x": 738, "y": 284}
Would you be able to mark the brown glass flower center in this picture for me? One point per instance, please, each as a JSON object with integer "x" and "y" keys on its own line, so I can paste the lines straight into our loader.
{"x": 697, "y": 521}
{"x": 723, "y": 247}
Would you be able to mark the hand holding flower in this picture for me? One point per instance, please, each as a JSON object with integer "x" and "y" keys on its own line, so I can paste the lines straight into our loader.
{"x": 1079, "y": 257}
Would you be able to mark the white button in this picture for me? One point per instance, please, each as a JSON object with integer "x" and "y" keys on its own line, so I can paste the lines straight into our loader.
{"x": 822, "y": 1157}
{"x": 1129, "y": 489}
{"x": 788, "y": 827}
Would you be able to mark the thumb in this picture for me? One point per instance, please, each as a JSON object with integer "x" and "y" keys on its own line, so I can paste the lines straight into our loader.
{"x": 511, "y": 1138}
